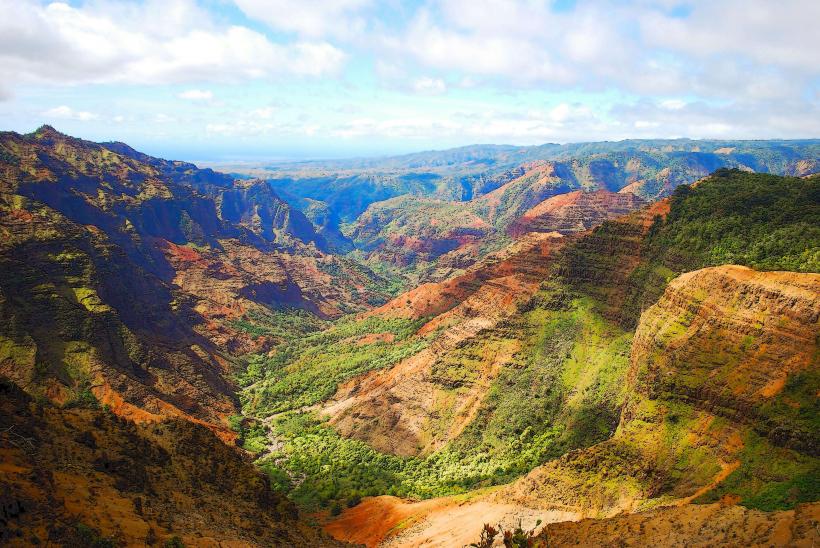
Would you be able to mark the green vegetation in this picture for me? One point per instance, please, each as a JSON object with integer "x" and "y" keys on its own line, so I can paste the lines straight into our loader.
{"x": 317, "y": 467}
{"x": 776, "y": 477}
{"x": 174, "y": 542}
{"x": 561, "y": 385}
{"x": 770, "y": 477}
{"x": 83, "y": 535}
{"x": 253, "y": 436}
{"x": 83, "y": 397}
{"x": 762, "y": 221}
{"x": 796, "y": 410}
{"x": 561, "y": 391}
{"x": 279, "y": 325}
{"x": 758, "y": 220}
{"x": 308, "y": 370}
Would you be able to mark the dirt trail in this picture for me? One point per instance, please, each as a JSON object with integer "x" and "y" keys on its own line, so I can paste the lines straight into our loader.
{"x": 441, "y": 522}
{"x": 725, "y": 470}
{"x": 456, "y": 521}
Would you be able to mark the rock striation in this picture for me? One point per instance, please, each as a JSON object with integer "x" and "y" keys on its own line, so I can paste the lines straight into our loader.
{"x": 719, "y": 373}
{"x": 73, "y": 477}
{"x": 575, "y": 211}
{"x": 126, "y": 277}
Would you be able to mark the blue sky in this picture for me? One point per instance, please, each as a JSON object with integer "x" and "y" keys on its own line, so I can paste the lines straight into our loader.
{"x": 283, "y": 79}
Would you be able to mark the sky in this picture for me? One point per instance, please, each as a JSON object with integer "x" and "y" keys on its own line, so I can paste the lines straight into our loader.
{"x": 213, "y": 80}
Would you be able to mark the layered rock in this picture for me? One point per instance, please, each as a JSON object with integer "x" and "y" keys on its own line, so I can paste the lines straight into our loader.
{"x": 81, "y": 320}
{"x": 255, "y": 206}
{"x": 718, "y": 376}
{"x": 692, "y": 525}
{"x": 727, "y": 340}
{"x": 410, "y": 232}
{"x": 575, "y": 212}
{"x": 126, "y": 276}
{"x": 75, "y": 476}
{"x": 612, "y": 265}
{"x": 391, "y": 409}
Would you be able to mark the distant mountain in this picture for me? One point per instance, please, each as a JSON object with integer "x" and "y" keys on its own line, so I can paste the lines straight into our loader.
{"x": 467, "y": 172}
{"x": 352, "y": 200}
{"x": 502, "y": 157}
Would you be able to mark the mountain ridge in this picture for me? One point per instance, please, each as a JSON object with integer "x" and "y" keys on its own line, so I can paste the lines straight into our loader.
{"x": 573, "y": 349}
{"x": 113, "y": 264}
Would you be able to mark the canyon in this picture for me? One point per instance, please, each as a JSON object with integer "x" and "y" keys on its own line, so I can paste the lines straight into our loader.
{"x": 600, "y": 343}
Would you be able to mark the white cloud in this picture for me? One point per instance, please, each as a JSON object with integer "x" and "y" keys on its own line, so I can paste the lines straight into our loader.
{"x": 162, "y": 118}
{"x": 264, "y": 113}
{"x": 416, "y": 127}
{"x": 782, "y": 33}
{"x": 480, "y": 125}
{"x": 728, "y": 49}
{"x": 673, "y": 104}
{"x": 311, "y": 18}
{"x": 476, "y": 52}
{"x": 196, "y": 95}
{"x": 560, "y": 113}
{"x": 700, "y": 120}
{"x": 250, "y": 127}
{"x": 64, "y": 112}
{"x": 734, "y": 68}
{"x": 429, "y": 86}
{"x": 105, "y": 42}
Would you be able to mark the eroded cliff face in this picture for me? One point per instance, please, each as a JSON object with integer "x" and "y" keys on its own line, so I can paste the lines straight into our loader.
{"x": 428, "y": 239}
{"x": 429, "y": 399}
{"x": 611, "y": 265}
{"x": 126, "y": 277}
{"x": 81, "y": 322}
{"x": 71, "y": 476}
{"x": 576, "y": 211}
{"x": 442, "y": 523}
{"x": 255, "y": 206}
{"x": 721, "y": 399}
{"x": 391, "y": 409}
{"x": 410, "y": 232}
{"x": 727, "y": 340}
{"x": 701, "y": 525}
{"x": 723, "y": 379}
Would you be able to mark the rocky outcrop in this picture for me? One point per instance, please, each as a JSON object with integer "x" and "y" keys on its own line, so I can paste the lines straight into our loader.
{"x": 719, "y": 376}
{"x": 692, "y": 525}
{"x": 611, "y": 265}
{"x": 727, "y": 340}
{"x": 409, "y": 234}
{"x": 73, "y": 476}
{"x": 80, "y": 320}
{"x": 576, "y": 211}
{"x": 255, "y": 206}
